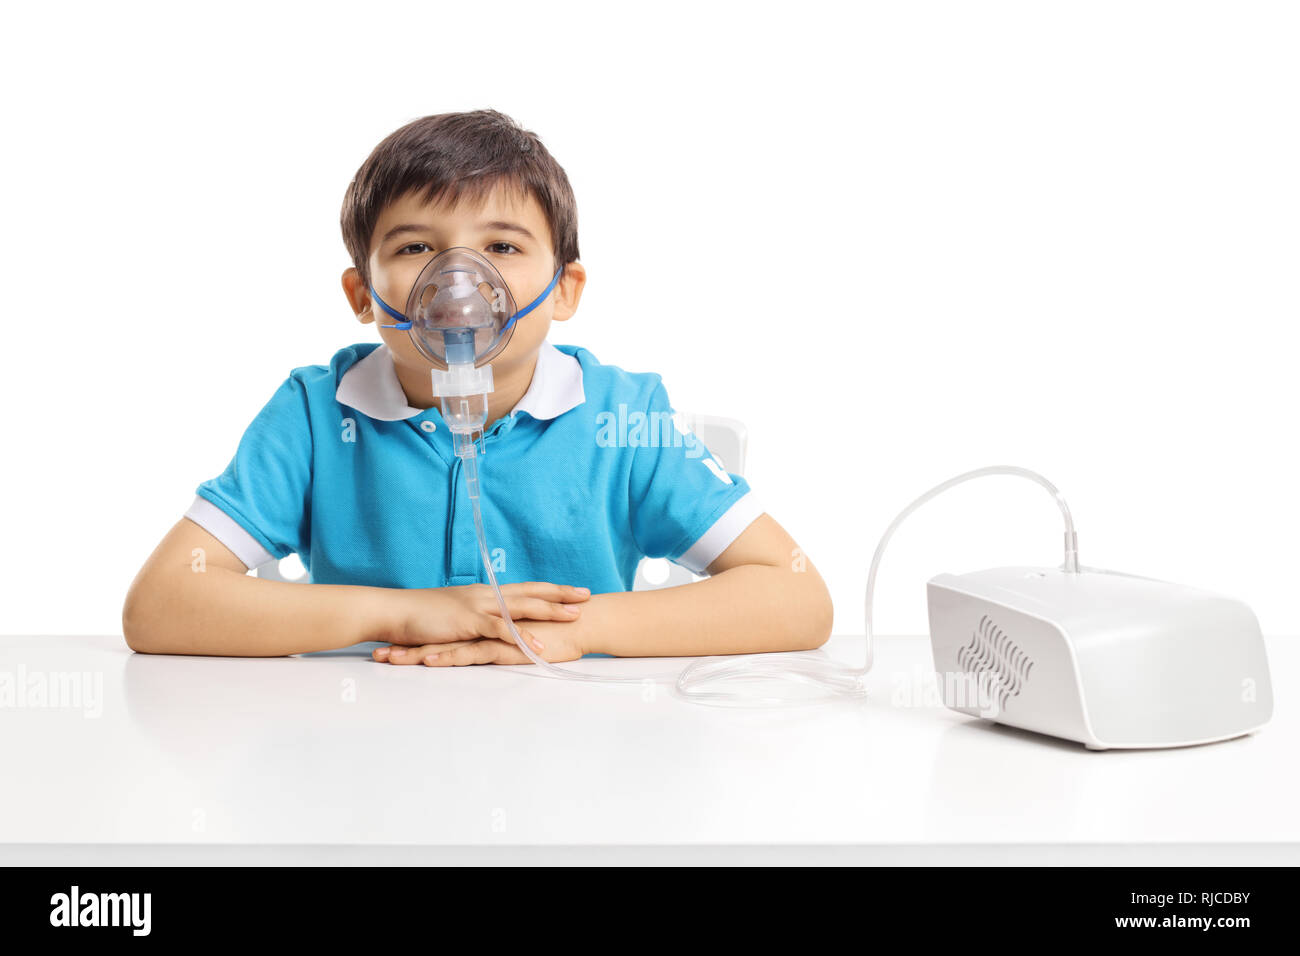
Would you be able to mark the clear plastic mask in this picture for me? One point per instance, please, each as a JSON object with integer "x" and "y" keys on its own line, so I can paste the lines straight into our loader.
{"x": 460, "y": 310}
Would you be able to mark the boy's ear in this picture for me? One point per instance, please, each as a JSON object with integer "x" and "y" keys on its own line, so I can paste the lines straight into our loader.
{"x": 358, "y": 295}
{"x": 568, "y": 291}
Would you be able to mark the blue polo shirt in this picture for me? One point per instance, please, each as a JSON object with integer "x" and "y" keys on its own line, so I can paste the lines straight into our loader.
{"x": 590, "y": 472}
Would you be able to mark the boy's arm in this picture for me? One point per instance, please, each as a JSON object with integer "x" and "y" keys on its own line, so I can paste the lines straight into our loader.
{"x": 193, "y": 596}
{"x": 763, "y": 595}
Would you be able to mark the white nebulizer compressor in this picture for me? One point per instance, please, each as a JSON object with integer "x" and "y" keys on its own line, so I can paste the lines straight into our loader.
{"x": 1108, "y": 659}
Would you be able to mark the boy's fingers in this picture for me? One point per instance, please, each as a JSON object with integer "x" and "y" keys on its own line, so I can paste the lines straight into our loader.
{"x": 475, "y": 652}
{"x": 396, "y": 654}
{"x": 498, "y": 649}
{"x": 404, "y": 654}
{"x": 508, "y": 652}
{"x": 561, "y": 593}
{"x": 483, "y": 650}
{"x": 479, "y": 652}
{"x": 500, "y": 630}
{"x": 512, "y": 655}
{"x": 537, "y": 609}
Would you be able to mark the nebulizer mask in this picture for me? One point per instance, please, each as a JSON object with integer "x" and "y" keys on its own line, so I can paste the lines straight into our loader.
{"x": 460, "y": 315}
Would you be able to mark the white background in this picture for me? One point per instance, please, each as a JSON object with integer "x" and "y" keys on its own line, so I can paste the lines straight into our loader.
{"x": 901, "y": 241}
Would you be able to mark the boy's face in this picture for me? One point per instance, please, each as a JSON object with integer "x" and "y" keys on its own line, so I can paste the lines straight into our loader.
{"x": 509, "y": 231}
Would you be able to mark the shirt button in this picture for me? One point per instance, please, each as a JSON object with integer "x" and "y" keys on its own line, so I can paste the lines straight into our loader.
{"x": 428, "y": 426}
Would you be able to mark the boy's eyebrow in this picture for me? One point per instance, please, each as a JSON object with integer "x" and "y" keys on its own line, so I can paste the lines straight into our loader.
{"x": 417, "y": 228}
{"x": 508, "y": 227}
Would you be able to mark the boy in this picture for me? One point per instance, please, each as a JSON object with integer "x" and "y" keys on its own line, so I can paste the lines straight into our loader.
{"x": 350, "y": 466}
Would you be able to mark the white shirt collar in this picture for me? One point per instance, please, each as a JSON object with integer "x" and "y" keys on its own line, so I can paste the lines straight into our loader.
{"x": 371, "y": 386}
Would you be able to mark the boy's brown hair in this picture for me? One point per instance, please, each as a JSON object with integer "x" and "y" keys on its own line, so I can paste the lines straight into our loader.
{"x": 455, "y": 155}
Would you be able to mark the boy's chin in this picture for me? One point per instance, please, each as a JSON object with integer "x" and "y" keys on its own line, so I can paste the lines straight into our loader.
{"x": 516, "y": 354}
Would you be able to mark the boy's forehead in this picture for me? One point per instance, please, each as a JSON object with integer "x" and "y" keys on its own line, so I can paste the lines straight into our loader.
{"x": 501, "y": 203}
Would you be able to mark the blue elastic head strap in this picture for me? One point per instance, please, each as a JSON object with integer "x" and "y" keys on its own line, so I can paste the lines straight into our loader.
{"x": 404, "y": 323}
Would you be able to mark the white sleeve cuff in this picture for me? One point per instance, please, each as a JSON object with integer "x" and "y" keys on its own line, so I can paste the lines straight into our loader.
{"x": 719, "y": 537}
{"x": 229, "y": 532}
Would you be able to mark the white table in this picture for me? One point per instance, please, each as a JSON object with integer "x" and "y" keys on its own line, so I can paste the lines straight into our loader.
{"x": 333, "y": 758}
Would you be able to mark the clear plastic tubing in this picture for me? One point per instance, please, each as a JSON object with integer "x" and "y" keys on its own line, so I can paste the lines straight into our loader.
{"x": 468, "y": 454}
{"x": 836, "y": 680}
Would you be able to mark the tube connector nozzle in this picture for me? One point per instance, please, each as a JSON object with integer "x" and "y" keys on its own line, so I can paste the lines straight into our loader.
{"x": 463, "y": 390}
{"x": 1071, "y": 552}
{"x": 462, "y": 379}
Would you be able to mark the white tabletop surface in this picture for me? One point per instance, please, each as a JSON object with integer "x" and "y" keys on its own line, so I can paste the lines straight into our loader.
{"x": 335, "y": 758}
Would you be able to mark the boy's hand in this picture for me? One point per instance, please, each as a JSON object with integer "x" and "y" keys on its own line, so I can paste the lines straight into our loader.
{"x": 558, "y": 640}
{"x": 468, "y": 612}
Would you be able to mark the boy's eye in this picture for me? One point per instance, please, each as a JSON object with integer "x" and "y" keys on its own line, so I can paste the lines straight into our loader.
{"x": 504, "y": 248}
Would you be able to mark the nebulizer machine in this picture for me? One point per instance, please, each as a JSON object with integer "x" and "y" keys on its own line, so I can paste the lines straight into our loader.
{"x": 1107, "y": 659}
